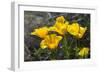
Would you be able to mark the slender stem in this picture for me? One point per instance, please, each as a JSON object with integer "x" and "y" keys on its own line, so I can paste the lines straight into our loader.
{"x": 70, "y": 44}
{"x": 65, "y": 42}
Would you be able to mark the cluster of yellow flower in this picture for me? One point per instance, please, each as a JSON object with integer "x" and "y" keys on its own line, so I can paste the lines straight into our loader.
{"x": 62, "y": 27}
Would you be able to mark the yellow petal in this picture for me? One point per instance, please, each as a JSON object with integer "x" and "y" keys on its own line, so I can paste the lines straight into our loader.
{"x": 43, "y": 44}
{"x": 52, "y": 28}
{"x": 40, "y": 32}
{"x": 52, "y": 46}
{"x": 84, "y": 52}
{"x": 81, "y": 32}
{"x": 60, "y": 19}
{"x": 58, "y": 38}
{"x": 33, "y": 33}
{"x": 67, "y": 23}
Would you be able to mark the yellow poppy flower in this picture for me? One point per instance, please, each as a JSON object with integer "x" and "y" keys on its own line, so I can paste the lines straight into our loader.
{"x": 61, "y": 29}
{"x": 50, "y": 41}
{"x": 76, "y": 30}
{"x": 60, "y": 26}
{"x": 73, "y": 29}
{"x": 84, "y": 52}
{"x": 40, "y": 32}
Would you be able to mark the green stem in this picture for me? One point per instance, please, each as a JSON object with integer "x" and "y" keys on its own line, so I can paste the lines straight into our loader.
{"x": 65, "y": 42}
{"x": 70, "y": 44}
